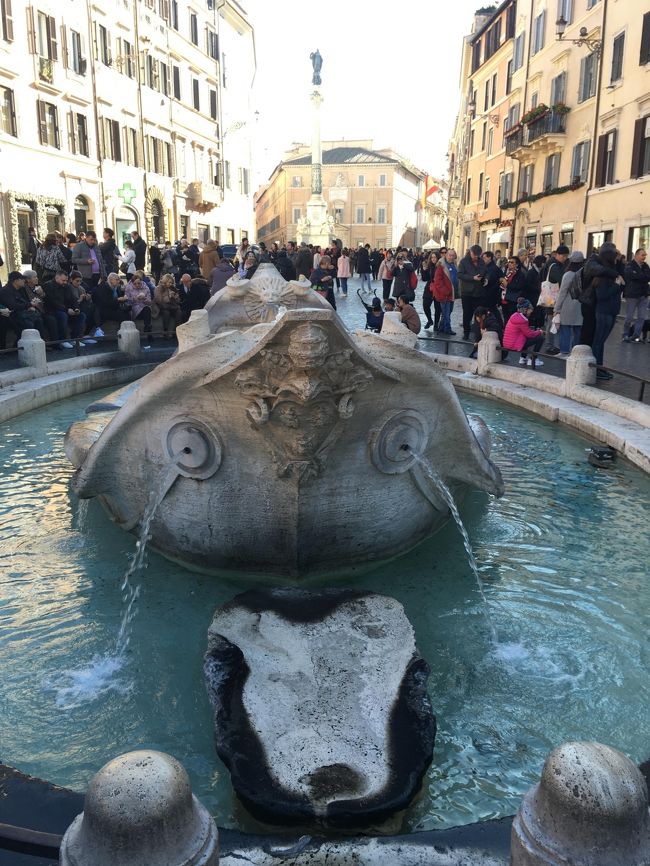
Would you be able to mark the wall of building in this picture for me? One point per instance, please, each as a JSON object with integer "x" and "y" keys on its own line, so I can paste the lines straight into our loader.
{"x": 590, "y": 176}
{"x": 119, "y": 141}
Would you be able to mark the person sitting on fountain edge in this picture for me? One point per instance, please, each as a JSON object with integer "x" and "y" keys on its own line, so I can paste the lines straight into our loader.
{"x": 375, "y": 316}
{"x": 485, "y": 320}
{"x": 410, "y": 316}
{"x": 322, "y": 279}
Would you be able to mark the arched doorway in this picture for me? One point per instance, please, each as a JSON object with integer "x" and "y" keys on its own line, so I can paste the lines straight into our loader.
{"x": 81, "y": 209}
{"x": 157, "y": 221}
{"x": 126, "y": 221}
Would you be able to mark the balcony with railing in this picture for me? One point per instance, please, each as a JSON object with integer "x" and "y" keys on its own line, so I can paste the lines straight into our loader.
{"x": 544, "y": 133}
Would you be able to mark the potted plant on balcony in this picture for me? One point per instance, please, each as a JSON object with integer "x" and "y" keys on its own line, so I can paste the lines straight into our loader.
{"x": 535, "y": 113}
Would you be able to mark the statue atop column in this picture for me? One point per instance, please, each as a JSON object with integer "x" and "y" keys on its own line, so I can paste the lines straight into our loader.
{"x": 317, "y": 63}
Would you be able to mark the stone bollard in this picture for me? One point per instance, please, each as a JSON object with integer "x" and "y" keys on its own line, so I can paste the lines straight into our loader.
{"x": 31, "y": 351}
{"x": 489, "y": 351}
{"x": 590, "y": 808}
{"x": 140, "y": 811}
{"x": 578, "y": 371}
{"x": 196, "y": 330}
{"x": 128, "y": 339}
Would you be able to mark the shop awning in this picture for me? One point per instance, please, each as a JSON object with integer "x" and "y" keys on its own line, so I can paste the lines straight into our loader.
{"x": 499, "y": 237}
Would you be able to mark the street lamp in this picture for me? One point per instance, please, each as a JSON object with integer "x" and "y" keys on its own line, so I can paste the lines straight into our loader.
{"x": 595, "y": 46}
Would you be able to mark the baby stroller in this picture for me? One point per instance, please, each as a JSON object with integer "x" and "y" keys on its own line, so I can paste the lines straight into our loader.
{"x": 367, "y": 298}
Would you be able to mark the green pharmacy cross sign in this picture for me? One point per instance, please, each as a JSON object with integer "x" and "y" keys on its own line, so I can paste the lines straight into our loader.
{"x": 127, "y": 193}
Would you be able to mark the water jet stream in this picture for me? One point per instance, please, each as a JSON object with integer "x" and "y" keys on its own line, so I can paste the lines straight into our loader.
{"x": 448, "y": 497}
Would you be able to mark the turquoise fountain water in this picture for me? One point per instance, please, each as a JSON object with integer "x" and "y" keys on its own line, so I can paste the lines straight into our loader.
{"x": 562, "y": 558}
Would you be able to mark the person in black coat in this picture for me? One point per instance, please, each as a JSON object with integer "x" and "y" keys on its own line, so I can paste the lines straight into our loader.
{"x": 155, "y": 257}
{"x": 24, "y": 312}
{"x": 304, "y": 261}
{"x": 637, "y": 289}
{"x": 363, "y": 266}
{"x": 109, "y": 251}
{"x": 196, "y": 297}
{"x": 140, "y": 250}
{"x": 284, "y": 265}
{"x": 514, "y": 284}
{"x": 492, "y": 287}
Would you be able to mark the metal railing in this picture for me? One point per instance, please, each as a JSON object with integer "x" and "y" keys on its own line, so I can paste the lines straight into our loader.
{"x": 614, "y": 372}
{"x": 547, "y": 124}
{"x": 22, "y": 840}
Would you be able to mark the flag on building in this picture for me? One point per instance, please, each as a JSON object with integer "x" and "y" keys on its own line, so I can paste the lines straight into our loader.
{"x": 429, "y": 186}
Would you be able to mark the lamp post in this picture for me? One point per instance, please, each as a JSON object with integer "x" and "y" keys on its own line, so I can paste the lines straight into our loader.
{"x": 595, "y": 46}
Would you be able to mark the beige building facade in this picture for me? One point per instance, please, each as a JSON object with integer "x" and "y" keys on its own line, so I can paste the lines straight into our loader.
{"x": 372, "y": 196}
{"x": 133, "y": 116}
{"x": 573, "y": 124}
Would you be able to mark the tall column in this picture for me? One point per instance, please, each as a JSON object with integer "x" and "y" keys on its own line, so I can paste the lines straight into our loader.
{"x": 316, "y": 152}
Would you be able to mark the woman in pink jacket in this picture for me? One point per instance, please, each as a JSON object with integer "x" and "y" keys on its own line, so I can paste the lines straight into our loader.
{"x": 520, "y": 337}
{"x": 343, "y": 271}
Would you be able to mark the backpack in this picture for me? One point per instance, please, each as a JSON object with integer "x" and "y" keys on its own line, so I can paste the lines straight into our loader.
{"x": 586, "y": 292}
{"x": 575, "y": 288}
{"x": 413, "y": 281}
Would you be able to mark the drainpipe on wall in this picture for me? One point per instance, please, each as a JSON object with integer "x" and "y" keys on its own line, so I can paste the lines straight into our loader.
{"x": 530, "y": 36}
{"x": 98, "y": 137}
{"x": 594, "y": 141}
{"x": 138, "y": 69}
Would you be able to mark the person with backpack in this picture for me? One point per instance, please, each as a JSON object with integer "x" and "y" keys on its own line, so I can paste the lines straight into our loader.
{"x": 567, "y": 306}
{"x": 471, "y": 276}
{"x": 607, "y": 285}
{"x": 600, "y": 266}
{"x": 405, "y": 279}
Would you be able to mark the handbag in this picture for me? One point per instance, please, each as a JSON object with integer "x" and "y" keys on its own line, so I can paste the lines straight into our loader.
{"x": 549, "y": 293}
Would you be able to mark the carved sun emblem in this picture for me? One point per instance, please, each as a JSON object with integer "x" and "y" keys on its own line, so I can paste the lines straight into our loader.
{"x": 264, "y": 299}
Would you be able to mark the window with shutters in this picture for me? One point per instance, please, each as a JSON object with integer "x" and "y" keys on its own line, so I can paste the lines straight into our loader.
{"x": 153, "y": 73}
{"x": 48, "y": 124}
{"x": 163, "y": 10}
{"x": 509, "y": 77}
{"x": 606, "y": 158}
{"x": 360, "y": 215}
{"x": 587, "y": 87}
{"x": 565, "y": 10}
{"x": 580, "y": 162}
{"x": 512, "y": 117}
{"x": 618, "y": 47}
{"x": 558, "y": 89}
{"x": 78, "y": 62}
{"x": 224, "y": 77}
{"x": 539, "y": 32}
{"x": 213, "y": 103}
{"x": 552, "y": 172}
{"x": 196, "y": 96}
{"x": 469, "y": 189}
{"x": 518, "y": 55}
{"x": 471, "y": 142}
{"x": 226, "y": 174}
{"x": 212, "y": 44}
{"x": 126, "y": 58}
{"x": 164, "y": 78}
{"x": 493, "y": 91}
{"x": 476, "y": 55}
{"x": 526, "y": 174}
{"x": 8, "y": 112}
{"x": 46, "y": 37}
{"x": 506, "y": 188}
{"x": 6, "y": 21}
{"x": 644, "y": 56}
{"x": 382, "y": 180}
{"x": 194, "y": 28}
{"x": 592, "y": 3}
{"x": 484, "y": 135}
{"x": 480, "y": 185}
{"x": 486, "y": 97}
{"x": 486, "y": 197}
{"x": 381, "y": 216}
{"x": 361, "y": 180}
{"x": 112, "y": 140}
{"x": 173, "y": 14}
{"x": 103, "y": 45}
{"x": 246, "y": 184}
{"x": 176, "y": 76}
{"x": 296, "y": 213}
{"x": 79, "y": 134}
{"x": 490, "y": 142}
{"x": 641, "y": 148}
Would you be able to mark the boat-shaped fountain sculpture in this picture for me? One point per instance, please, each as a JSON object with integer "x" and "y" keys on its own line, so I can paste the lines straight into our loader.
{"x": 280, "y": 444}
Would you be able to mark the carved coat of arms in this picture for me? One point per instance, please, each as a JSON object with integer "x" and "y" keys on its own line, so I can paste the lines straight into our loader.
{"x": 301, "y": 395}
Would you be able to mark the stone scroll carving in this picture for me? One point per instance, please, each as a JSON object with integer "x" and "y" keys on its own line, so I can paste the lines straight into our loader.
{"x": 301, "y": 396}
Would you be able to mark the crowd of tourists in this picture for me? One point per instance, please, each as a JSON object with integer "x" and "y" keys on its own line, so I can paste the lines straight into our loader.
{"x": 533, "y": 302}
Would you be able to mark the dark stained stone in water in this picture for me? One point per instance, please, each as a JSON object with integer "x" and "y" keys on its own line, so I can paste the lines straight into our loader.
{"x": 321, "y": 707}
